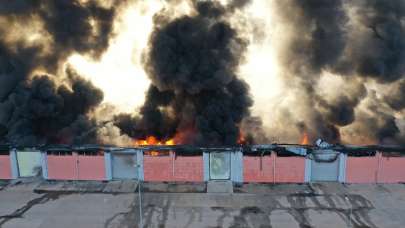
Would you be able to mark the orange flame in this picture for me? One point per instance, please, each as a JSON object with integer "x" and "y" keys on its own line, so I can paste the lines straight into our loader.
{"x": 152, "y": 140}
{"x": 154, "y": 153}
{"x": 305, "y": 139}
{"x": 241, "y": 139}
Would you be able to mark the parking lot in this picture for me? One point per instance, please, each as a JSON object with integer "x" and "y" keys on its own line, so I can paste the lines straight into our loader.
{"x": 38, "y": 204}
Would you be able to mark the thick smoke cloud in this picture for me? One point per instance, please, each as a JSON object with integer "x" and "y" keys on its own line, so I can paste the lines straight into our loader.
{"x": 323, "y": 30}
{"x": 376, "y": 123}
{"x": 84, "y": 28}
{"x": 396, "y": 98}
{"x": 362, "y": 41}
{"x": 311, "y": 49}
{"x": 50, "y": 107}
{"x": 71, "y": 26}
{"x": 376, "y": 45}
{"x": 153, "y": 120}
{"x": 41, "y": 111}
{"x": 196, "y": 93}
{"x": 192, "y": 62}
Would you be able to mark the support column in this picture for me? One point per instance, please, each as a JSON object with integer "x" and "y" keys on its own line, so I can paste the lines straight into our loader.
{"x": 108, "y": 165}
{"x": 139, "y": 160}
{"x": 308, "y": 169}
{"x": 273, "y": 160}
{"x": 44, "y": 164}
{"x": 237, "y": 166}
{"x": 342, "y": 167}
{"x": 206, "y": 166}
{"x": 14, "y": 164}
{"x": 379, "y": 167}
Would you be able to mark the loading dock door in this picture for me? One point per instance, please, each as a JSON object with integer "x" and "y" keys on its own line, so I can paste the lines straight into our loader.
{"x": 220, "y": 166}
{"x": 124, "y": 166}
{"x": 29, "y": 163}
{"x": 325, "y": 167}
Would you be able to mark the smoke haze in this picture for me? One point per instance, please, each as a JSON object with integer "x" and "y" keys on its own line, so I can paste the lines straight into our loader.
{"x": 192, "y": 63}
{"x": 53, "y": 106}
{"x": 217, "y": 71}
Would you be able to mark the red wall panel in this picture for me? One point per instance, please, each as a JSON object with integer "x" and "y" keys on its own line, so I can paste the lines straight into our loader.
{"x": 5, "y": 167}
{"x": 157, "y": 168}
{"x": 392, "y": 170}
{"x": 91, "y": 167}
{"x": 273, "y": 169}
{"x": 62, "y": 167}
{"x": 189, "y": 168}
{"x": 290, "y": 170}
{"x": 258, "y": 168}
{"x": 170, "y": 168}
{"x": 361, "y": 169}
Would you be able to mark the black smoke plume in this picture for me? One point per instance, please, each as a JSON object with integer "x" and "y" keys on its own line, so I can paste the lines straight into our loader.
{"x": 316, "y": 44}
{"x": 50, "y": 107}
{"x": 375, "y": 45}
{"x": 41, "y": 112}
{"x": 192, "y": 62}
{"x": 396, "y": 97}
{"x": 362, "y": 41}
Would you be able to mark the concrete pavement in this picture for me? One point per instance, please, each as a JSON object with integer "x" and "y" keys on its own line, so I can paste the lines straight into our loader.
{"x": 167, "y": 205}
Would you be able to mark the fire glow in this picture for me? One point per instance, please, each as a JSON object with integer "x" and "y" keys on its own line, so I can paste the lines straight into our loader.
{"x": 176, "y": 140}
{"x": 305, "y": 139}
{"x": 153, "y": 141}
{"x": 241, "y": 139}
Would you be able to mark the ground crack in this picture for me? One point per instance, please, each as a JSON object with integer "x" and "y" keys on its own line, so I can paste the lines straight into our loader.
{"x": 19, "y": 213}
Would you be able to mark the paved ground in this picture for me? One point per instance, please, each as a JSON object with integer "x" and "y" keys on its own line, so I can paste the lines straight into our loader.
{"x": 97, "y": 204}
